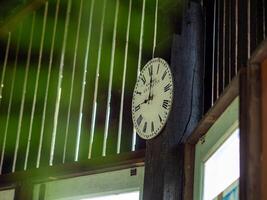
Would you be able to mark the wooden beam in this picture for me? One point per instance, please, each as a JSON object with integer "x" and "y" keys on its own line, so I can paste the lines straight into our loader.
{"x": 164, "y": 175}
{"x": 10, "y": 23}
{"x": 229, "y": 94}
{"x": 250, "y": 133}
{"x": 69, "y": 170}
{"x": 260, "y": 54}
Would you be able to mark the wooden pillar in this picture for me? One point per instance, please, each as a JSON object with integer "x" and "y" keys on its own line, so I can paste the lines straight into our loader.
{"x": 250, "y": 133}
{"x": 264, "y": 128}
{"x": 164, "y": 162}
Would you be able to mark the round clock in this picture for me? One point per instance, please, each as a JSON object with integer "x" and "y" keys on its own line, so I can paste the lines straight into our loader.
{"x": 152, "y": 98}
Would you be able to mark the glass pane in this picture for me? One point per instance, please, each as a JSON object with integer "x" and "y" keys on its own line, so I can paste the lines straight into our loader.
{"x": 128, "y": 196}
{"x": 222, "y": 168}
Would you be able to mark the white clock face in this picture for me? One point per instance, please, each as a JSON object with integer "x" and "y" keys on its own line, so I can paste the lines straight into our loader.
{"x": 152, "y": 98}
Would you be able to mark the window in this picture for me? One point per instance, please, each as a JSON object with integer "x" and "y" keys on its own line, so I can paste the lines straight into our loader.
{"x": 217, "y": 159}
{"x": 114, "y": 185}
{"x": 123, "y": 196}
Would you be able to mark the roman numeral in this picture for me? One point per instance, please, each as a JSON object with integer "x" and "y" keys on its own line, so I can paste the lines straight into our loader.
{"x": 145, "y": 125}
{"x": 160, "y": 119}
{"x": 152, "y": 126}
{"x": 137, "y": 108}
{"x": 158, "y": 69}
{"x": 143, "y": 78}
{"x": 167, "y": 87}
{"x": 165, "y": 104}
{"x": 164, "y": 75}
{"x": 150, "y": 70}
{"x": 138, "y": 92}
{"x": 139, "y": 120}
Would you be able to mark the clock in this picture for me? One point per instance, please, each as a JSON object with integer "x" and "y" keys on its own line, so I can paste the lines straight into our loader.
{"x": 152, "y": 98}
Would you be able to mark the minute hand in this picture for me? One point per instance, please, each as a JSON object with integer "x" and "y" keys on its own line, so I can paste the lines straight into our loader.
{"x": 150, "y": 97}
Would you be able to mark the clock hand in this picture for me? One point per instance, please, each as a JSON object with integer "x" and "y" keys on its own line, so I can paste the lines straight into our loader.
{"x": 144, "y": 102}
{"x": 150, "y": 97}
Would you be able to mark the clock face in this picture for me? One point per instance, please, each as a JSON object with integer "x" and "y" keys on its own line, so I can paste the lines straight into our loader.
{"x": 152, "y": 98}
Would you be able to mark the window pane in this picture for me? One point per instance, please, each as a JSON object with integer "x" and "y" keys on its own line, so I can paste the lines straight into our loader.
{"x": 124, "y": 196}
{"x": 222, "y": 168}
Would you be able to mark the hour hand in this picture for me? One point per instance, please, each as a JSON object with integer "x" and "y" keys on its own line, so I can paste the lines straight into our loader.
{"x": 139, "y": 105}
{"x": 150, "y": 96}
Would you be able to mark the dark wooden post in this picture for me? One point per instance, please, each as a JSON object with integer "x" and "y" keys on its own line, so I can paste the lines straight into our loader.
{"x": 253, "y": 113}
{"x": 264, "y": 128}
{"x": 164, "y": 163}
{"x": 250, "y": 133}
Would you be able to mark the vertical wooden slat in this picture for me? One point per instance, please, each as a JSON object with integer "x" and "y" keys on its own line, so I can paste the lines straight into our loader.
{"x": 60, "y": 77}
{"x": 214, "y": 50}
{"x": 85, "y": 67}
{"x": 36, "y": 86}
{"x": 223, "y": 46}
{"x": 139, "y": 60}
{"x": 47, "y": 85}
{"x": 155, "y": 29}
{"x": 124, "y": 76}
{"x": 3, "y": 79}
{"x": 4, "y": 66}
{"x": 260, "y": 28}
{"x": 72, "y": 84}
{"x": 23, "y": 95}
{"x": 255, "y": 27}
{"x": 227, "y": 34}
{"x": 232, "y": 39}
{"x": 229, "y": 45}
{"x": 217, "y": 71}
{"x": 242, "y": 33}
{"x": 249, "y": 27}
{"x": 141, "y": 38}
{"x": 10, "y": 99}
{"x": 220, "y": 53}
{"x": 236, "y": 35}
{"x": 227, "y": 41}
{"x": 209, "y": 19}
{"x": 110, "y": 79}
{"x": 92, "y": 132}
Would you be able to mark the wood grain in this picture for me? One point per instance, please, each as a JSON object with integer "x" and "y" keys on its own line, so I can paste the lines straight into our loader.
{"x": 264, "y": 128}
{"x": 250, "y": 133}
{"x": 164, "y": 174}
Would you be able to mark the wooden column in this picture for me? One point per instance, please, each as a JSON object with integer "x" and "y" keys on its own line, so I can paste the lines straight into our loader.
{"x": 264, "y": 128}
{"x": 164, "y": 163}
{"x": 250, "y": 133}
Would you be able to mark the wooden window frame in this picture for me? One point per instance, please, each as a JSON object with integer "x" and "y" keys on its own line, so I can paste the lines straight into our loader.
{"x": 251, "y": 86}
{"x": 224, "y": 127}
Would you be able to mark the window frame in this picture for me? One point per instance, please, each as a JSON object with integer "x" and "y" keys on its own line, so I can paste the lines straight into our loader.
{"x": 217, "y": 134}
